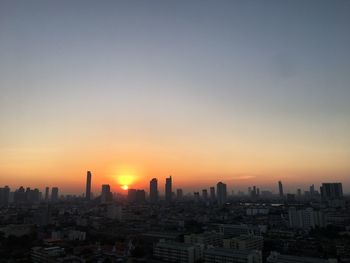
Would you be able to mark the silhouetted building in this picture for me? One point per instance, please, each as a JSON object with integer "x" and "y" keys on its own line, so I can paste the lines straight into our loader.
{"x": 136, "y": 196}
{"x": 88, "y": 186}
{"x": 168, "y": 189}
{"x": 54, "y": 194}
{"x": 221, "y": 193}
{"x": 20, "y": 195}
{"x": 280, "y": 189}
{"x": 106, "y": 195}
{"x": 47, "y": 193}
{"x": 179, "y": 194}
{"x": 4, "y": 195}
{"x": 331, "y": 191}
{"x": 205, "y": 194}
{"x": 153, "y": 190}
{"x": 212, "y": 193}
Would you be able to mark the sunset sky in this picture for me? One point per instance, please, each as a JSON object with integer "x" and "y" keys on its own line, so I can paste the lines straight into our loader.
{"x": 244, "y": 92}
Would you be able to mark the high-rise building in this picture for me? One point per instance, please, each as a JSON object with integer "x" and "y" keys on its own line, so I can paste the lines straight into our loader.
{"x": 221, "y": 193}
{"x": 179, "y": 194}
{"x": 54, "y": 194}
{"x": 88, "y": 186}
{"x": 153, "y": 190}
{"x": 205, "y": 194}
{"x": 106, "y": 195}
{"x": 331, "y": 191}
{"x": 168, "y": 189}
{"x": 4, "y": 195}
{"x": 47, "y": 193}
{"x": 280, "y": 189}
{"x": 312, "y": 190}
{"x": 212, "y": 193}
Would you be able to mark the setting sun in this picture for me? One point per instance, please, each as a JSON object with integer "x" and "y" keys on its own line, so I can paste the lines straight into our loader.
{"x": 125, "y": 187}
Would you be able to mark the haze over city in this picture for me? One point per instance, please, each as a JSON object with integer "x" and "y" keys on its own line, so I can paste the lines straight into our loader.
{"x": 244, "y": 92}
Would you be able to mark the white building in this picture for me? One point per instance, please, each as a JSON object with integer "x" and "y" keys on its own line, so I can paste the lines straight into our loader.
{"x": 224, "y": 255}
{"x": 275, "y": 257}
{"x": 169, "y": 251}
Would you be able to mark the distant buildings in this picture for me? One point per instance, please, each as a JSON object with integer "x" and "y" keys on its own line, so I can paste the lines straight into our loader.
{"x": 221, "y": 193}
{"x": 168, "y": 189}
{"x": 88, "y": 186}
{"x": 153, "y": 190}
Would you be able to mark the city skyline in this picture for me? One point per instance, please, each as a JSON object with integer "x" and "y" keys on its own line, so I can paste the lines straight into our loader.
{"x": 246, "y": 93}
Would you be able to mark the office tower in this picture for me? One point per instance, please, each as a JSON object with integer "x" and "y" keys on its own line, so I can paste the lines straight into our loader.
{"x": 221, "y": 193}
{"x": 47, "y": 191}
{"x": 168, "y": 189}
{"x": 88, "y": 186}
{"x": 312, "y": 190}
{"x": 106, "y": 195}
{"x": 205, "y": 194}
{"x": 179, "y": 194}
{"x": 19, "y": 195}
{"x": 4, "y": 195}
{"x": 153, "y": 190}
{"x": 331, "y": 191}
{"x": 131, "y": 195}
{"x": 280, "y": 189}
{"x": 299, "y": 193}
{"x": 54, "y": 194}
{"x": 212, "y": 193}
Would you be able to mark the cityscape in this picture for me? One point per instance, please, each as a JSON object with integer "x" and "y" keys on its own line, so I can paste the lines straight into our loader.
{"x": 149, "y": 226}
{"x": 194, "y": 131}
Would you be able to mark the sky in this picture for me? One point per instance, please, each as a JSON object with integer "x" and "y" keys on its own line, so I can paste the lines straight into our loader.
{"x": 244, "y": 92}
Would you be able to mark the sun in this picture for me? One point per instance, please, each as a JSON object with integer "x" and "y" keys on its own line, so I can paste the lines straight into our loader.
{"x": 125, "y": 187}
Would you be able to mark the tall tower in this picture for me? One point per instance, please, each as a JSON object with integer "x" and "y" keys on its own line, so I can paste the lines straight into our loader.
{"x": 221, "y": 193}
{"x": 153, "y": 190}
{"x": 47, "y": 189}
{"x": 88, "y": 186}
{"x": 212, "y": 193}
{"x": 168, "y": 189}
{"x": 280, "y": 189}
{"x": 54, "y": 194}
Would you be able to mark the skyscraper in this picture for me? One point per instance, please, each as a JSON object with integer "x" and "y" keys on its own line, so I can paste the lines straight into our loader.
{"x": 47, "y": 192}
{"x": 280, "y": 189}
{"x": 153, "y": 190}
{"x": 54, "y": 194}
{"x": 221, "y": 193}
{"x": 106, "y": 195}
{"x": 168, "y": 189}
{"x": 88, "y": 186}
{"x": 212, "y": 193}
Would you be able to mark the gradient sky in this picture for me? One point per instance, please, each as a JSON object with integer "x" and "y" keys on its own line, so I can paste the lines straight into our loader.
{"x": 246, "y": 92}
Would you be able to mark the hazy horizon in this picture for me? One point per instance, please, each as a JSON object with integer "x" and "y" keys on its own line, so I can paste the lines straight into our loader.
{"x": 244, "y": 92}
